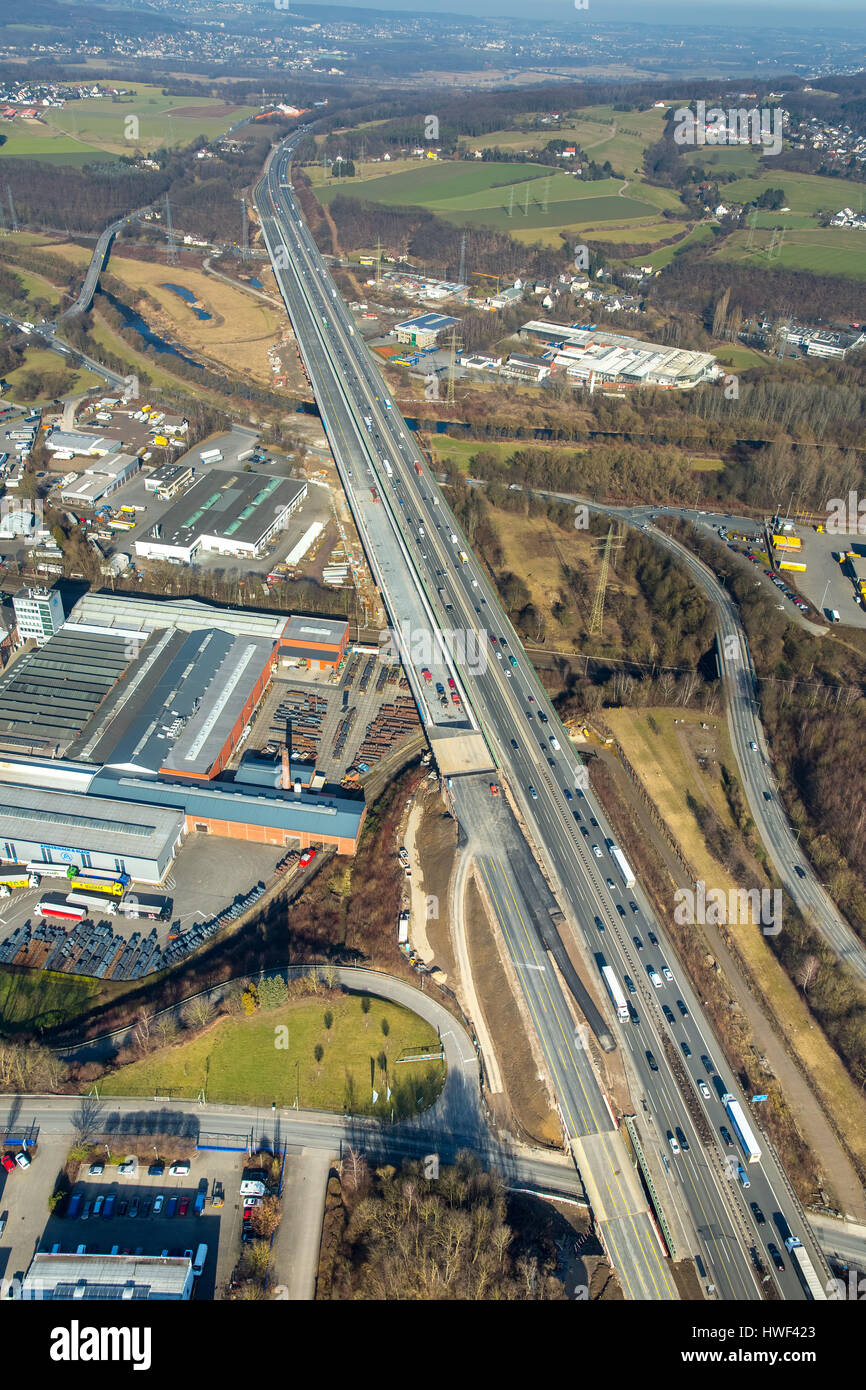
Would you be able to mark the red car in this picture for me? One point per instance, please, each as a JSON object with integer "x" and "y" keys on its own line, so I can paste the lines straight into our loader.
{"x": 184, "y": 1206}
{"x": 426, "y": 674}
{"x": 455, "y": 697}
{"x": 493, "y": 638}
{"x": 307, "y": 857}
{"x": 451, "y": 685}
{"x": 8, "y": 1163}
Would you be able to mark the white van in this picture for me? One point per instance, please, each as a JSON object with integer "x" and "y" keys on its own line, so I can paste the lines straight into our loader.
{"x": 199, "y": 1262}
{"x": 554, "y": 742}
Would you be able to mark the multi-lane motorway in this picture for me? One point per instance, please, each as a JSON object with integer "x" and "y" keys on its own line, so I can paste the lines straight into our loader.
{"x": 415, "y": 548}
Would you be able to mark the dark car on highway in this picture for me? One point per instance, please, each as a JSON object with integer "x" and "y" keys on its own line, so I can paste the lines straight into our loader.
{"x": 654, "y": 1066}
{"x": 775, "y": 1256}
{"x": 759, "y": 1216}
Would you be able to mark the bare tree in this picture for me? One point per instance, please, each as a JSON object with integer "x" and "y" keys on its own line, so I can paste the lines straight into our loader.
{"x": 807, "y": 972}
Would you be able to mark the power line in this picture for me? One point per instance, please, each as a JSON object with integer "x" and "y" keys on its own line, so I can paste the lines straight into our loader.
{"x": 171, "y": 249}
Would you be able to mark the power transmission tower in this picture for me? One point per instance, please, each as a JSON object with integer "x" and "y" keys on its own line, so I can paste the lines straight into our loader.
{"x": 170, "y": 249}
{"x": 2, "y": 221}
{"x": 452, "y": 363}
{"x": 461, "y": 274}
{"x": 596, "y": 620}
{"x": 245, "y": 241}
{"x": 526, "y": 202}
{"x": 378, "y": 260}
{"x": 772, "y": 246}
{"x": 753, "y": 217}
{"x": 12, "y": 209}
{"x": 511, "y": 201}
{"x": 546, "y": 194}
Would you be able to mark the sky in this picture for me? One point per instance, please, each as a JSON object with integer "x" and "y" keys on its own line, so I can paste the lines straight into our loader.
{"x": 775, "y": 14}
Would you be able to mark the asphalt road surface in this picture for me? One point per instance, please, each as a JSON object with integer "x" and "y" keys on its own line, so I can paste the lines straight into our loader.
{"x": 431, "y": 578}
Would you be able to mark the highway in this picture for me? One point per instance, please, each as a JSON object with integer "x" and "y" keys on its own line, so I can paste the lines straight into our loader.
{"x": 762, "y": 793}
{"x": 45, "y": 334}
{"x": 415, "y": 545}
{"x": 97, "y": 262}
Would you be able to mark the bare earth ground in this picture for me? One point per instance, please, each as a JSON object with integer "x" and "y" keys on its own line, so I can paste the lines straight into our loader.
{"x": 524, "y": 1101}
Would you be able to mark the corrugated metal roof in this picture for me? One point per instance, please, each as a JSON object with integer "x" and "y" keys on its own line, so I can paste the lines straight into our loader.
{"x": 84, "y": 821}
{"x": 331, "y": 815}
{"x": 131, "y": 613}
{"x": 107, "y": 1276}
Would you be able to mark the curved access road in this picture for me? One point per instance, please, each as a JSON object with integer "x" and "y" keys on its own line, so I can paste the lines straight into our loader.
{"x": 749, "y": 743}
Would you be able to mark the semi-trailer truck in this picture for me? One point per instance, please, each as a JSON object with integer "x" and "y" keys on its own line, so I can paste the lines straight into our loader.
{"x": 109, "y": 887}
{"x": 211, "y": 456}
{"x": 614, "y": 989}
{"x": 52, "y": 905}
{"x": 100, "y": 902}
{"x": 387, "y": 467}
{"x": 806, "y": 1269}
{"x": 742, "y": 1128}
{"x": 622, "y": 864}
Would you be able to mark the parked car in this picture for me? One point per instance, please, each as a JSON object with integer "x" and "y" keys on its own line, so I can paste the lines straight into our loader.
{"x": 134, "y": 1208}
{"x": 184, "y": 1206}
{"x": 96, "y": 1170}
{"x": 180, "y": 1169}
{"x": 156, "y": 1170}
{"x": 171, "y": 1209}
{"x": 159, "y": 1203}
{"x": 98, "y": 1205}
{"x": 8, "y": 1163}
{"x": 108, "y": 1209}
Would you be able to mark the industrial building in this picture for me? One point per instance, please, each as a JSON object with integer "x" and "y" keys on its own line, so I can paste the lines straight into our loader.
{"x": 64, "y": 827}
{"x": 169, "y": 479}
{"x": 100, "y": 1277}
{"x": 226, "y": 513}
{"x": 424, "y": 330}
{"x": 587, "y": 354}
{"x": 80, "y": 442}
{"x": 38, "y": 614}
{"x": 320, "y": 641}
{"x": 100, "y": 480}
{"x": 116, "y": 735}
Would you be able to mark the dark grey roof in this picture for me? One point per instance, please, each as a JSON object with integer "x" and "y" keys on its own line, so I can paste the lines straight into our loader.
{"x": 232, "y": 505}
{"x": 179, "y": 712}
{"x": 48, "y": 696}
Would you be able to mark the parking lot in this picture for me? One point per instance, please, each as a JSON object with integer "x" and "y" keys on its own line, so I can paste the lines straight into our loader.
{"x": 150, "y": 1212}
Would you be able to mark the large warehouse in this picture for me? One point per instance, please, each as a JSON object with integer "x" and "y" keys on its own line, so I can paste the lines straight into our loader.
{"x": 114, "y": 736}
{"x": 224, "y": 513}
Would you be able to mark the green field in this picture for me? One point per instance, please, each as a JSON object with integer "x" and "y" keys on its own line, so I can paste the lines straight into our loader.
{"x": 42, "y": 360}
{"x": 803, "y": 192}
{"x": 742, "y": 159}
{"x": 84, "y": 132}
{"x": 704, "y": 231}
{"x": 238, "y": 1060}
{"x": 36, "y": 999}
{"x": 505, "y": 196}
{"x": 620, "y": 136}
{"x": 822, "y": 250}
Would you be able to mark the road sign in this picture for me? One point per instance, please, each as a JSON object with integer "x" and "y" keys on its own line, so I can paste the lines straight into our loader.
{"x": 755, "y": 1099}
